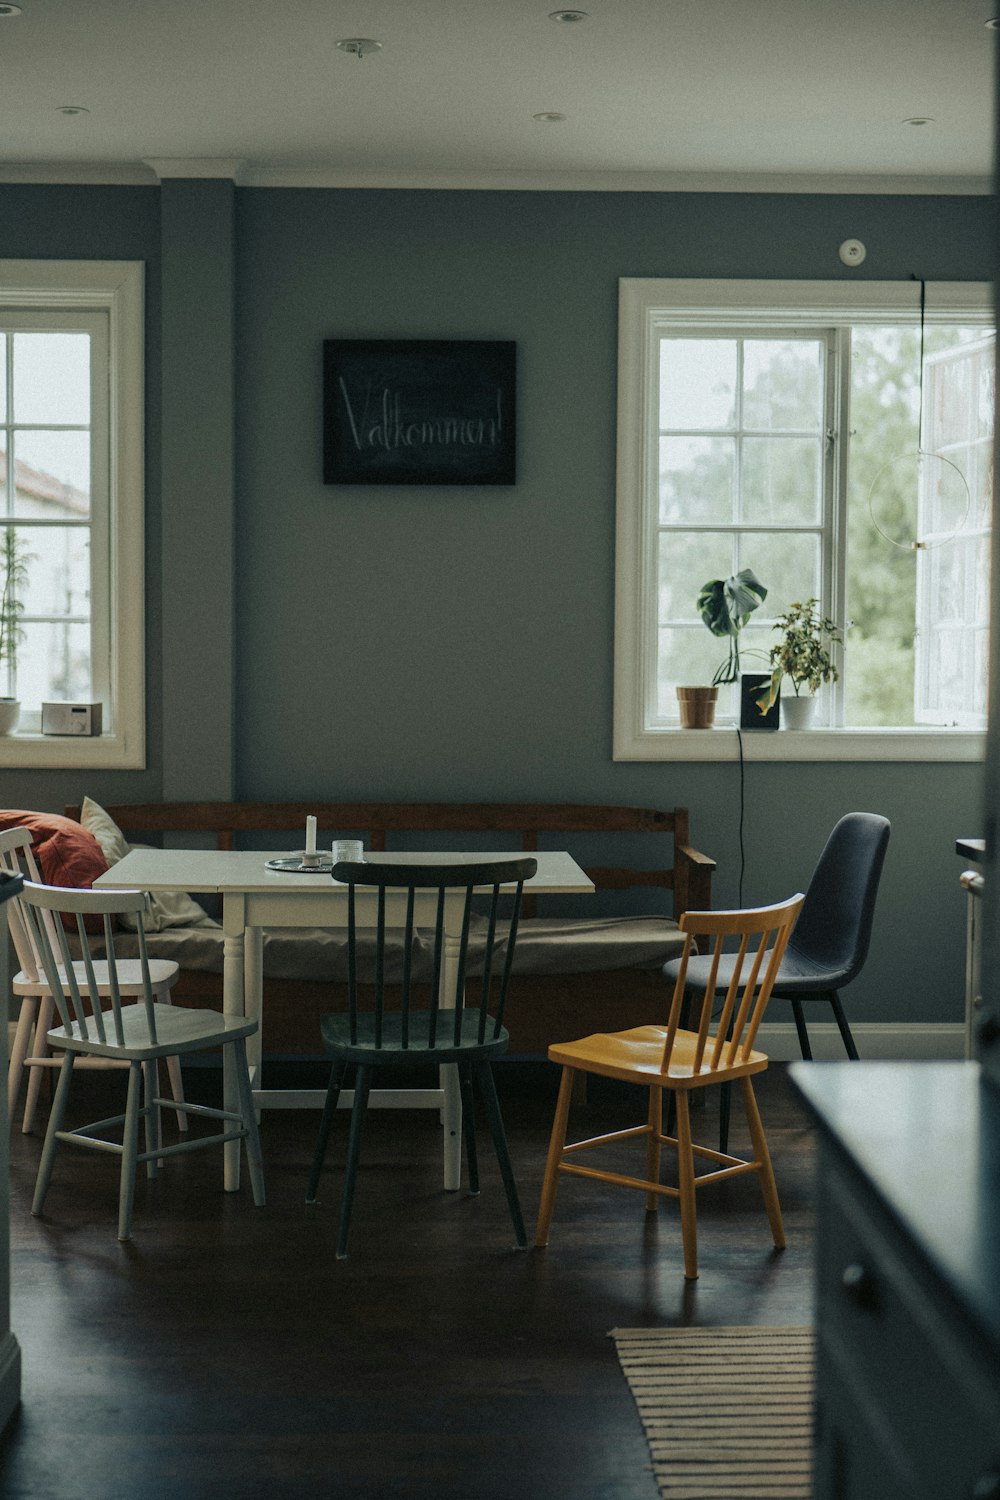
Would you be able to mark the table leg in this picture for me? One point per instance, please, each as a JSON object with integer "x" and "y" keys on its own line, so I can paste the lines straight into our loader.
{"x": 253, "y": 1001}
{"x": 233, "y": 979}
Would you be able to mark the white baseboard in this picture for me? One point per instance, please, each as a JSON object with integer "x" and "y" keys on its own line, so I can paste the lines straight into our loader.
{"x": 880, "y": 1041}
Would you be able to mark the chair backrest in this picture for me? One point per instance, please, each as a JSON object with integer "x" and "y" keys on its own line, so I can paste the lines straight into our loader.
{"x": 42, "y": 901}
{"x": 834, "y": 930}
{"x": 16, "y": 858}
{"x": 407, "y": 897}
{"x": 763, "y": 934}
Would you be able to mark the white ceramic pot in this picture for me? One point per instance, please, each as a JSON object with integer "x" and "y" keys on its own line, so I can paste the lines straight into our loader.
{"x": 797, "y": 711}
{"x": 10, "y": 712}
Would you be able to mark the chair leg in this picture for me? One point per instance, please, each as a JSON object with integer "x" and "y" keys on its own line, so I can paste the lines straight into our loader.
{"x": 40, "y": 1049}
{"x": 19, "y": 1051}
{"x": 255, "y": 1164}
{"x": 800, "y": 1027}
{"x": 362, "y": 1085}
{"x": 685, "y": 1172}
{"x": 557, "y": 1141}
{"x": 725, "y": 1114}
{"x": 845, "y": 1030}
{"x": 653, "y": 1146}
{"x": 177, "y": 1089}
{"x": 329, "y": 1111}
{"x": 762, "y": 1156}
{"x": 488, "y": 1090}
{"x": 151, "y": 1114}
{"x": 469, "y": 1127}
{"x": 130, "y": 1151}
{"x": 55, "y": 1124}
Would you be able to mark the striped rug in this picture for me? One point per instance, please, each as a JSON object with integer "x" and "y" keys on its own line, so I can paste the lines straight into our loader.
{"x": 727, "y": 1411}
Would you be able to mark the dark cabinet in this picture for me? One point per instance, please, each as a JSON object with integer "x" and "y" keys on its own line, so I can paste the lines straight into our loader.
{"x": 908, "y": 1281}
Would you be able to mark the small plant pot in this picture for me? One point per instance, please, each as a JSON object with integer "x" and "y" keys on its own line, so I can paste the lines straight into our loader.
{"x": 697, "y": 706}
{"x": 798, "y": 711}
{"x": 10, "y": 712}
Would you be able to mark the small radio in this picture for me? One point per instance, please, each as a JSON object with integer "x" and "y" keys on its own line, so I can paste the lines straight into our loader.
{"x": 71, "y": 718}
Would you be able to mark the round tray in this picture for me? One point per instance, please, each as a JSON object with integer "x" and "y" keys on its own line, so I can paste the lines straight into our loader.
{"x": 294, "y": 865}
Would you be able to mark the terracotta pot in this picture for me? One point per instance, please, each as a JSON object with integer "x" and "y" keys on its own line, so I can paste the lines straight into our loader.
{"x": 697, "y": 706}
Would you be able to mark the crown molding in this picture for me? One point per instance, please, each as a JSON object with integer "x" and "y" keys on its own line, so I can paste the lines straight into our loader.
{"x": 158, "y": 169}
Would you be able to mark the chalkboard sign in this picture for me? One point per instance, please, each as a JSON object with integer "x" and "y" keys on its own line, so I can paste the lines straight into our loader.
{"x": 418, "y": 411}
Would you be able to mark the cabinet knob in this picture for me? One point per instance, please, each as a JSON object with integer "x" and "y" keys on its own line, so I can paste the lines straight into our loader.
{"x": 860, "y": 1285}
{"x": 987, "y": 1486}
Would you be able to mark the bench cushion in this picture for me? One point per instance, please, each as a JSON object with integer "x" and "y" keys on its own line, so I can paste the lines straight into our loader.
{"x": 545, "y": 945}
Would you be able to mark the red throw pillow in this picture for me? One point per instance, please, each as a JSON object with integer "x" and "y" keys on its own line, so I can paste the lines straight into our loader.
{"x": 67, "y": 854}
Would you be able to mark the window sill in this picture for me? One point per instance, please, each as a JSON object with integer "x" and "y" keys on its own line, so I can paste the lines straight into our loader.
{"x": 42, "y": 752}
{"x": 722, "y": 744}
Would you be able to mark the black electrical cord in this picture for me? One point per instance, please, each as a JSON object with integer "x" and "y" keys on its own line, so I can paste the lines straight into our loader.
{"x": 743, "y": 858}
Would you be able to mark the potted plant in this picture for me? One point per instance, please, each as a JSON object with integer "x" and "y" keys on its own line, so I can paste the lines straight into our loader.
{"x": 14, "y": 562}
{"x": 804, "y": 656}
{"x": 725, "y": 605}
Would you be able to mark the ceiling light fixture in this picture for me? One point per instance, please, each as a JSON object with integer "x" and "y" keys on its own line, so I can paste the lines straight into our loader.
{"x": 567, "y": 16}
{"x": 548, "y": 117}
{"x": 918, "y": 120}
{"x": 72, "y": 109}
{"x": 10, "y": 10}
{"x": 359, "y": 46}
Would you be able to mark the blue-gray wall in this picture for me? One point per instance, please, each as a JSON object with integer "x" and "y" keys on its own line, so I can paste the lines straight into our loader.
{"x": 439, "y": 643}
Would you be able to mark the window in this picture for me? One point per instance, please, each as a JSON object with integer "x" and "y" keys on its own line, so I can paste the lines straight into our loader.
{"x": 71, "y": 503}
{"x": 795, "y": 430}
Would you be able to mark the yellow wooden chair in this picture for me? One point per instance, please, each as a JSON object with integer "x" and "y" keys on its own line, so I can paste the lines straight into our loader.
{"x": 667, "y": 1057}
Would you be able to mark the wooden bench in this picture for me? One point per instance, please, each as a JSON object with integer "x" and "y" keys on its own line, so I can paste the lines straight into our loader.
{"x": 557, "y": 992}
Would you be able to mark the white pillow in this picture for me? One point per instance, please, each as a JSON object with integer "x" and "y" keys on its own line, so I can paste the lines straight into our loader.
{"x": 166, "y": 908}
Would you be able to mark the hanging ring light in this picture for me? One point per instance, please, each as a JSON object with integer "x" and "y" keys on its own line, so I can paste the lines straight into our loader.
{"x": 949, "y": 474}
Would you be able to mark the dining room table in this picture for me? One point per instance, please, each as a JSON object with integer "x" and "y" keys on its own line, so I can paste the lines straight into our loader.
{"x": 256, "y": 896}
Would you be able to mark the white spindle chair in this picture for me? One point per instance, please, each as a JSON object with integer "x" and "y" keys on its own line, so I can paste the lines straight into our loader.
{"x": 139, "y": 1034}
{"x": 30, "y": 1052}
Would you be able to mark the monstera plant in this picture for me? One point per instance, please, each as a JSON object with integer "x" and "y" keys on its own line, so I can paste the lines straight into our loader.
{"x": 725, "y": 605}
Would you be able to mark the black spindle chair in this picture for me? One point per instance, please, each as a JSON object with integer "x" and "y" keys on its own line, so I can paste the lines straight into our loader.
{"x": 413, "y": 899}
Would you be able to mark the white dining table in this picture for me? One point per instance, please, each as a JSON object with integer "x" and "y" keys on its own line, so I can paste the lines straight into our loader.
{"x": 255, "y": 898}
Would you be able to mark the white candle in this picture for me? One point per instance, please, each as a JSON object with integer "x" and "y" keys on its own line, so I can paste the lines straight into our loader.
{"x": 310, "y": 835}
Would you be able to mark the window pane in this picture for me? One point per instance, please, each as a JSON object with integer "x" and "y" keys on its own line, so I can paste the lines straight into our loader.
{"x": 781, "y": 481}
{"x": 783, "y": 383}
{"x": 58, "y": 570}
{"x": 52, "y": 378}
{"x": 3, "y": 377}
{"x": 54, "y": 664}
{"x": 787, "y": 565}
{"x": 696, "y": 479}
{"x": 689, "y": 657}
{"x": 52, "y": 474}
{"x": 697, "y": 383}
{"x": 688, "y": 559}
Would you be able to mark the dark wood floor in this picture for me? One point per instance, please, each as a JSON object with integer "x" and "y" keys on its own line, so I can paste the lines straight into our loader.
{"x": 225, "y": 1354}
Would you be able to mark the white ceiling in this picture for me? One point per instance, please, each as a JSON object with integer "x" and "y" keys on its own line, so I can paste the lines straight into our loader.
{"x": 656, "y": 93}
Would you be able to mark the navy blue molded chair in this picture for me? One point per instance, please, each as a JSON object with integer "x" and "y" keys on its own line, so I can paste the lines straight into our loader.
{"x": 469, "y": 1036}
{"x": 829, "y": 944}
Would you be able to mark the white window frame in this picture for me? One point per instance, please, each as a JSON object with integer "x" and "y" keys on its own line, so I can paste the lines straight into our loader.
{"x": 646, "y": 308}
{"x": 114, "y": 289}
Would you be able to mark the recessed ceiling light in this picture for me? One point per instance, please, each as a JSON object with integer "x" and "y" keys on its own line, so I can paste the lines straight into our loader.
{"x": 359, "y": 46}
{"x": 10, "y": 10}
{"x": 72, "y": 109}
{"x": 918, "y": 120}
{"x": 548, "y": 117}
{"x": 568, "y": 16}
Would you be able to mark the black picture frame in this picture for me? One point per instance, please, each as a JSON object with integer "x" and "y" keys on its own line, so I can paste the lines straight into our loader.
{"x": 419, "y": 411}
{"x": 752, "y": 684}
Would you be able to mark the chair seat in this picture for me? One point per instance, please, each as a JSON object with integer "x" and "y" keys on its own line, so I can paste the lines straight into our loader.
{"x": 335, "y": 1031}
{"x": 635, "y": 1054}
{"x": 162, "y": 973}
{"x": 178, "y": 1030}
{"x": 797, "y": 974}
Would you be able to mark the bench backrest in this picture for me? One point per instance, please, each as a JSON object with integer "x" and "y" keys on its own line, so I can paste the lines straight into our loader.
{"x": 687, "y": 874}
